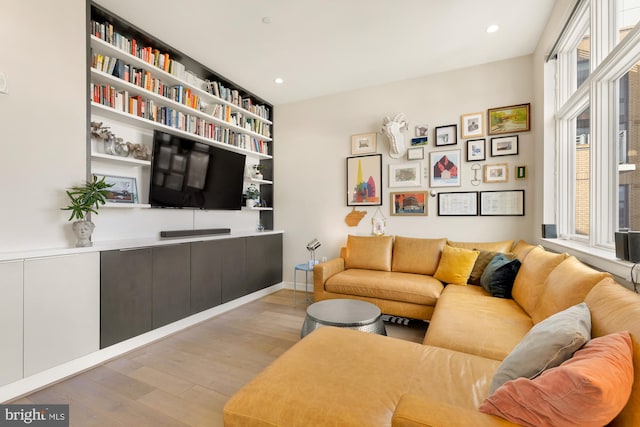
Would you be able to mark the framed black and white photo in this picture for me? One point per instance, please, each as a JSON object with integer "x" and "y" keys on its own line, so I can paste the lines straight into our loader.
{"x": 502, "y": 203}
{"x": 476, "y": 150}
{"x": 472, "y": 125}
{"x": 463, "y": 203}
{"x": 416, "y": 153}
{"x": 504, "y": 146}
{"x": 446, "y": 135}
{"x": 496, "y": 173}
{"x": 405, "y": 174}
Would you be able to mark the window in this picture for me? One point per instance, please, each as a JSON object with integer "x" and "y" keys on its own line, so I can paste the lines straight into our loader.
{"x": 598, "y": 122}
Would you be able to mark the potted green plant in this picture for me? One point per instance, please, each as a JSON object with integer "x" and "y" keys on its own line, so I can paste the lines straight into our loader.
{"x": 85, "y": 200}
{"x": 253, "y": 195}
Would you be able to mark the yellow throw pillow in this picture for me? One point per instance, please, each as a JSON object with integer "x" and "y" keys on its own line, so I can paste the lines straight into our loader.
{"x": 456, "y": 265}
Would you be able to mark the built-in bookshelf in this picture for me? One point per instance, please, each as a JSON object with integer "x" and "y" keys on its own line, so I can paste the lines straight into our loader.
{"x": 139, "y": 84}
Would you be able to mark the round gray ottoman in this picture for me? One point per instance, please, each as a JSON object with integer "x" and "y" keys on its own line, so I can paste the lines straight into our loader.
{"x": 343, "y": 313}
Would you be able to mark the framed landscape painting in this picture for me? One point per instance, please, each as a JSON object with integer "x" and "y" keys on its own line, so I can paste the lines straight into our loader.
{"x": 515, "y": 118}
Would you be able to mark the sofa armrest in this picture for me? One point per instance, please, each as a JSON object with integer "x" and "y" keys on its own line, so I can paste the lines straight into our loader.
{"x": 414, "y": 411}
{"x": 322, "y": 272}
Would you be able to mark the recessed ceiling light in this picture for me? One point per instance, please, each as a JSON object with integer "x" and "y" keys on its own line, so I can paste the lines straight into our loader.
{"x": 492, "y": 28}
{"x": 278, "y": 80}
{"x": 266, "y": 20}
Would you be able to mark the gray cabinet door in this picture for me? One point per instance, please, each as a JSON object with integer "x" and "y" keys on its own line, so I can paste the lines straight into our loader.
{"x": 125, "y": 295}
{"x": 171, "y": 283}
{"x": 264, "y": 261}
{"x": 206, "y": 274}
{"x": 234, "y": 283}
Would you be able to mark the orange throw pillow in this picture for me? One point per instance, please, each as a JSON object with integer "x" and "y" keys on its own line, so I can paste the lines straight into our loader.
{"x": 589, "y": 389}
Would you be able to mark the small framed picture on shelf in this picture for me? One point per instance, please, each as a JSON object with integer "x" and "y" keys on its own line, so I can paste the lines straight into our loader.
{"x": 364, "y": 143}
{"x": 405, "y": 174}
{"x": 124, "y": 189}
{"x": 446, "y": 135}
{"x": 409, "y": 203}
{"x": 504, "y": 146}
{"x": 496, "y": 173}
{"x": 476, "y": 150}
{"x": 472, "y": 125}
{"x": 515, "y": 118}
{"x": 416, "y": 153}
{"x": 521, "y": 172}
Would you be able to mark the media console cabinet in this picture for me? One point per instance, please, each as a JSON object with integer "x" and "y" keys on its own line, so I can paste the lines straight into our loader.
{"x": 65, "y": 310}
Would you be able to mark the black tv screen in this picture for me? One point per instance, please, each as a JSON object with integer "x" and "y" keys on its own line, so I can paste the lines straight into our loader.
{"x": 190, "y": 174}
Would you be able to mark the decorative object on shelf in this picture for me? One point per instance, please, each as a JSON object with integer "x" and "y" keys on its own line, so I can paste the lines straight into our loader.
{"x": 354, "y": 217}
{"x": 253, "y": 195}
{"x": 364, "y": 180}
{"x": 86, "y": 199}
{"x": 116, "y": 146}
{"x": 405, "y": 174}
{"x": 472, "y": 125}
{"x": 124, "y": 189}
{"x": 445, "y": 168}
{"x": 504, "y": 146}
{"x": 446, "y": 135}
{"x": 256, "y": 171}
{"x": 393, "y": 130}
{"x": 378, "y": 223}
{"x": 476, "y": 168}
{"x": 364, "y": 143}
{"x": 311, "y": 247}
{"x": 521, "y": 172}
{"x": 463, "y": 203}
{"x": 496, "y": 173}
{"x": 515, "y": 118}
{"x": 416, "y": 153}
{"x": 476, "y": 150}
{"x": 99, "y": 132}
{"x": 409, "y": 203}
{"x": 139, "y": 151}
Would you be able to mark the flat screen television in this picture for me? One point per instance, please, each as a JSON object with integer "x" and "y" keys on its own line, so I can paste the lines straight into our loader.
{"x": 190, "y": 174}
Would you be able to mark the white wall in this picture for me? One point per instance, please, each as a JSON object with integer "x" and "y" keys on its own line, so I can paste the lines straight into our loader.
{"x": 313, "y": 139}
{"x": 42, "y": 119}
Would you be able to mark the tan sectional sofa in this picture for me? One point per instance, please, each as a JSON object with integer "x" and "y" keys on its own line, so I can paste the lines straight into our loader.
{"x": 342, "y": 377}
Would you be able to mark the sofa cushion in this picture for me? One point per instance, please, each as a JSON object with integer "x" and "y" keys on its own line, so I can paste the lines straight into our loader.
{"x": 522, "y": 249}
{"x": 455, "y": 265}
{"x": 371, "y": 253}
{"x": 532, "y": 275}
{"x": 467, "y": 319}
{"x": 546, "y": 345}
{"x": 501, "y": 246}
{"x": 484, "y": 258}
{"x": 615, "y": 308}
{"x": 388, "y": 285}
{"x": 498, "y": 277}
{"x": 589, "y": 389}
{"x": 566, "y": 285}
{"x": 420, "y": 256}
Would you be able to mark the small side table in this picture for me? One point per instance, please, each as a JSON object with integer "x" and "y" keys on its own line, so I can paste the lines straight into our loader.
{"x": 302, "y": 267}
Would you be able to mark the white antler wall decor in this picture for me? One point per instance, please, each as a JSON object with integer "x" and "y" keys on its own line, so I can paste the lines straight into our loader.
{"x": 392, "y": 129}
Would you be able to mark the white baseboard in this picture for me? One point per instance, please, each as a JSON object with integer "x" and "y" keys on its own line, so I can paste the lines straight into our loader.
{"x": 45, "y": 378}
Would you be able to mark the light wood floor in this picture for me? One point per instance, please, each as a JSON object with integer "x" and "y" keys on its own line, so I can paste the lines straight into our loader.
{"x": 186, "y": 378}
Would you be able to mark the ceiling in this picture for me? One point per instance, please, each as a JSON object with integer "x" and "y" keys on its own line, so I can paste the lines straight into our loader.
{"x": 321, "y": 47}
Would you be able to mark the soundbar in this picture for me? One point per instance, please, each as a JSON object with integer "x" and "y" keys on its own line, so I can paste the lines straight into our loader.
{"x": 200, "y": 232}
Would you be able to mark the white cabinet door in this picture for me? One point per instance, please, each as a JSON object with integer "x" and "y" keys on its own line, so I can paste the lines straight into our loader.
{"x": 61, "y": 309}
{"x": 10, "y": 321}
